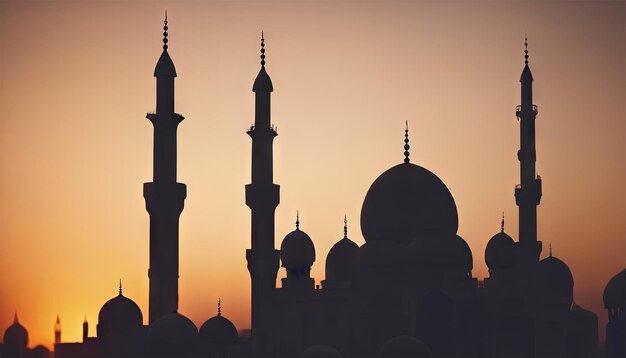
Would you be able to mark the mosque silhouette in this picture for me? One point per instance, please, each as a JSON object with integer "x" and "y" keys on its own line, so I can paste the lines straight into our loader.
{"x": 408, "y": 292}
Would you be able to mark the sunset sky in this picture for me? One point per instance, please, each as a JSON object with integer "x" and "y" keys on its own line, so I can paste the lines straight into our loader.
{"x": 76, "y": 80}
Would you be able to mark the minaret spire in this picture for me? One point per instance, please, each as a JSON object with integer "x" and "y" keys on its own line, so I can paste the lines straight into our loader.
{"x": 262, "y": 197}
{"x": 406, "y": 143}
{"x": 528, "y": 192}
{"x": 57, "y": 330}
{"x": 262, "y": 49}
{"x": 525, "y": 48}
{"x": 164, "y": 196}
{"x": 165, "y": 32}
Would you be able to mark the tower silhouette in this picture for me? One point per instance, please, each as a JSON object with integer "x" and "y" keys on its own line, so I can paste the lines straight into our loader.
{"x": 57, "y": 330}
{"x": 528, "y": 192}
{"x": 164, "y": 196}
{"x": 262, "y": 196}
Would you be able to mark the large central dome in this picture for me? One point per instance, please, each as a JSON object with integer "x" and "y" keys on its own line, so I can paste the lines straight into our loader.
{"x": 406, "y": 202}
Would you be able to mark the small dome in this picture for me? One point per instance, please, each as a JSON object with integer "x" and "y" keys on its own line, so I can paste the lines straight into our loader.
{"x": 172, "y": 335}
{"x": 615, "y": 291}
{"x": 583, "y": 313}
{"x": 218, "y": 330}
{"x": 40, "y": 352}
{"x": 263, "y": 82}
{"x": 320, "y": 352}
{"x": 339, "y": 261}
{"x": 165, "y": 66}
{"x": 15, "y": 337}
{"x": 460, "y": 254}
{"x": 297, "y": 250}
{"x": 120, "y": 313}
{"x": 404, "y": 347}
{"x": 553, "y": 282}
{"x": 380, "y": 253}
{"x": 500, "y": 251}
{"x": 441, "y": 249}
{"x": 406, "y": 202}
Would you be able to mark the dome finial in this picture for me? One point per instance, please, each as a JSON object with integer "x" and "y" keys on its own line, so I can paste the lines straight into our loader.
{"x": 262, "y": 49}
{"x": 525, "y": 48}
{"x": 15, "y": 320}
{"x": 550, "y": 249}
{"x": 297, "y": 220}
{"x": 219, "y": 306}
{"x": 165, "y": 32}
{"x": 345, "y": 226}
{"x": 120, "y": 286}
{"x": 406, "y": 143}
{"x": 502, "y": 223}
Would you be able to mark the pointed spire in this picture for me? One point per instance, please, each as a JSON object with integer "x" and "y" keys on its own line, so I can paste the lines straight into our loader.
{"x": 120, "y": 286}
{"x": 502, "y": 223}
{"x": 262, "y": 50}
{"x": 165, "y": 32}
{"x": 58, "y": 319}
{"x": 406, "y": 143}
{"x": 219, "y": 307}
{"x": 262, "y": 83}
{"x": 15, "y": 320}
{"x": 525, "y": 48}
{"x": 345, "y": 226}
{"x": 85, "y": 320}
{"x": 297, "y": 220}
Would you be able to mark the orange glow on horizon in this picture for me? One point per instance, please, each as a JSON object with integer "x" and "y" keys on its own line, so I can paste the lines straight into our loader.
{"x": 76, "y": 81}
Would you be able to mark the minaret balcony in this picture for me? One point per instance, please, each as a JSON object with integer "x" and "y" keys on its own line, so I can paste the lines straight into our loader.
{"x": 519, "y": 111}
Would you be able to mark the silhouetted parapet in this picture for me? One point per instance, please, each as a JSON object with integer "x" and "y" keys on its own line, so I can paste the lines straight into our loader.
{"x": 261, "y": 196}
{"x": 320, "y": 351}
{"x": 404, "y": 347}
{"x": 172, "y": 335}
{"x": 165, "y": 198}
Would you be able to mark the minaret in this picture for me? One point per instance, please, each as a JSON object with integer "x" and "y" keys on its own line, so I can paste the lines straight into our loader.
{"x": 57, "y": 331}
{"x": 164, "y": 196}
{"x": 528, "y": 192}
{"x": 85, "y": 330}
{"x": 262, "y": 196}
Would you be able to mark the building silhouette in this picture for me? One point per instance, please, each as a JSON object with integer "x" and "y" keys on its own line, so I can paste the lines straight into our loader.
{"x": 407, "y": 292}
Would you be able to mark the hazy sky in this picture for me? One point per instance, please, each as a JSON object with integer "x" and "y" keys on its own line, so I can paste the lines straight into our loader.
{"x": 75, "y": 146}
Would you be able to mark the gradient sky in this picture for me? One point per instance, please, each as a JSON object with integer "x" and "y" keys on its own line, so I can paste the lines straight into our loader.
{"x": 75, "y": 146}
